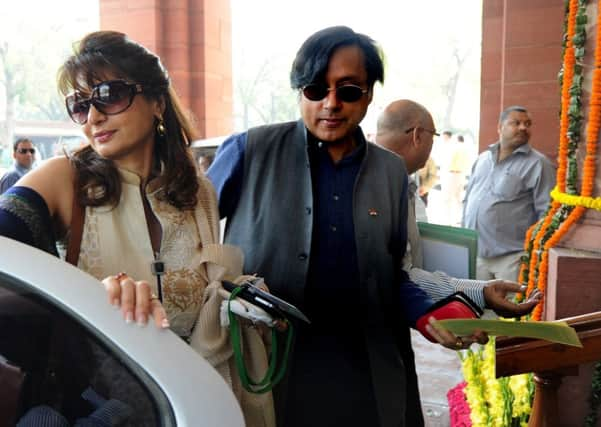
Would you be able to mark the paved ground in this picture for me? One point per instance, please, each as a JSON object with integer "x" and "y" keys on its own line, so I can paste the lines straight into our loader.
{"x": 438, "y": 370}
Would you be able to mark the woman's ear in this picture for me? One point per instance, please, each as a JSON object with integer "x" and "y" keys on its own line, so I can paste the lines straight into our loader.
{"x": 159, "y": 107}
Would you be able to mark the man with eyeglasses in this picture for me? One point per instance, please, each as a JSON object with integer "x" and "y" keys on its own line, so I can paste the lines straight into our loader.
{"x": 508, "y": 191}
{"x": 322, "y": 215}
{"x": 24, "y": 155}
{"x": 407, "y": 129}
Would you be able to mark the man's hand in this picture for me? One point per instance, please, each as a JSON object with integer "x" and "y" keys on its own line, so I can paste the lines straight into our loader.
{"x": 495, "y": 294}
{"x": 449, "y": 340}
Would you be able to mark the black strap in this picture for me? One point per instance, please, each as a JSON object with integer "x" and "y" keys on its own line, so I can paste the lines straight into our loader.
{"x": 76, "y": 231}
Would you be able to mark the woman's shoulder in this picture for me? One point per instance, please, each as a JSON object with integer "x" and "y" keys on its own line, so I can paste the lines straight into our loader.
{"x": 51, "y": 173}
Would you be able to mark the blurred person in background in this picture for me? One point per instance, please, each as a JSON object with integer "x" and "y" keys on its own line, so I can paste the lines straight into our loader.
{"x": 24, "y": 156}
{"x": 204, "y": 162}
{"x": 454, "y": 182}
{"x": 507, "y": 192}
{"x": 427, "y": 177}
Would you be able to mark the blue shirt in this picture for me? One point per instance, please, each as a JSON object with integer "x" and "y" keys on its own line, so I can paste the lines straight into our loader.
{"x": 12, "y": 176}
{"x": 504, "y": 198}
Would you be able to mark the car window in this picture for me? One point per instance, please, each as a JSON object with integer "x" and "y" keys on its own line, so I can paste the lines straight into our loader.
{"x": 54, "y": 366}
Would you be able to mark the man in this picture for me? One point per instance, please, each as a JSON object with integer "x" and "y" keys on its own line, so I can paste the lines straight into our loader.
{"x": 204, "y": 162}
{"x": 428, "y": 178}
{"x": 24, "y": 155}
{"x": 507, "y": 192}
{"x": 407, "y": 129}
{"x": 301, "y": 200}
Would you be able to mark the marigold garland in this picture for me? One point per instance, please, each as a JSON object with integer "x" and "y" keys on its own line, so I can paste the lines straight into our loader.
{"x": 573, "y": 200}
{"x": 561, "y": 215}
{"x": 566, "y": 208}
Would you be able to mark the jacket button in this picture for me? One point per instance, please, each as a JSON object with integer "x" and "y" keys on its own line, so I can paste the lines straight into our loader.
{"x": 302, "y": 257}
{"x": 308, "y": 209}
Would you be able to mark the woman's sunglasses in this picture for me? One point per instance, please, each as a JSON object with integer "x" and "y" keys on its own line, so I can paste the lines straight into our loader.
{"x": 345, "y": 93}
{"x": 110, "y": 97}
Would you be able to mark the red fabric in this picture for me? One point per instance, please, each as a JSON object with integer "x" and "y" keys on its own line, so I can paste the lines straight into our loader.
{"x": 452, "y": 310}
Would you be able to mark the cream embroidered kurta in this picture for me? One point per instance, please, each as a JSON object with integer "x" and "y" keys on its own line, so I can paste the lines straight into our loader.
{"x": 117, "y": 239}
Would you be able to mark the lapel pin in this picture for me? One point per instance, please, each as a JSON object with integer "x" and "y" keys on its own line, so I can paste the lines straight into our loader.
{"x": 372, "y": 212}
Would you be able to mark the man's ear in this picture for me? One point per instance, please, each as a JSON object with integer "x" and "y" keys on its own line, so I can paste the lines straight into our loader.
{"x": 370, "y": 95}
{"x": 416, "y": 138}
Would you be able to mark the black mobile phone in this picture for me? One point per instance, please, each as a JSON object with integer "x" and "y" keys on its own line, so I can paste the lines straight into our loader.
{"x": 271, "y": 304}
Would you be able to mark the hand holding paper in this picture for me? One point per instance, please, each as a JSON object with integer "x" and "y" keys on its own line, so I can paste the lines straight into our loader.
{"x": 559, "y": 332}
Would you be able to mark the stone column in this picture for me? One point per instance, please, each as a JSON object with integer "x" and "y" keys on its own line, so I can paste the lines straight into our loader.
{"x": 193, "y": 39}
{"x": 521, "y": 56}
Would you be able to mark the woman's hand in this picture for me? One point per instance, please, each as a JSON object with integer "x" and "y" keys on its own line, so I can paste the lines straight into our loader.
{"x": 136, "y": 300}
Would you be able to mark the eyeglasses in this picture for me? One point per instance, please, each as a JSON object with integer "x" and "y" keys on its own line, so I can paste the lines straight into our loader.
{"x": 432, "y": 131}
{"x": 110, "y": 97}
{"x": 26, "y": 150}
{"x": 345, "y": 93}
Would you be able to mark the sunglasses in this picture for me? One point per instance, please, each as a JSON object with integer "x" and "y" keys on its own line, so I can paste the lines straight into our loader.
{"x": 26, "y": 150}
{"x": 345, "y": 93}
{"x": 110, "y": 97}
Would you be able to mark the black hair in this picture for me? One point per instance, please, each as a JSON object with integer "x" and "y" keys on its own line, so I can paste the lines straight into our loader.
{"x": 511, "y": 109}
{"x": 20, "y": 140}
{"x": 311, "y": 62}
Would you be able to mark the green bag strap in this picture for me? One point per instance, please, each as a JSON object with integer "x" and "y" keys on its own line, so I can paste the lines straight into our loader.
{"x": 271, "y": 378}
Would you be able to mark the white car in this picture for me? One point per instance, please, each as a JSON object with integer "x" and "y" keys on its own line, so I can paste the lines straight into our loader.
{"x": 67, "y": 355}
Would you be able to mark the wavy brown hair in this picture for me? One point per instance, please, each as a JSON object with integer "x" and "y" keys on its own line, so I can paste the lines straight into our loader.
{"x": 112, "y": 53}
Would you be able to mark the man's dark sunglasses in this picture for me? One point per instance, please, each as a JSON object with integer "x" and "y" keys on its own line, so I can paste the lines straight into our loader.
{"x": 110, "y": 97}
{"x": 432, "y": 131}
{"x": 345, "y": 93}
{"x": 26, "y": 150}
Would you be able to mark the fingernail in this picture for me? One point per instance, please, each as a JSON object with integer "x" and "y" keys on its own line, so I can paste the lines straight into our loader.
{"x": 129, "y": 317}
{"x": 116, "y": 303}
{"x": 165, "y": 323}
{"x": 142, "y": 319}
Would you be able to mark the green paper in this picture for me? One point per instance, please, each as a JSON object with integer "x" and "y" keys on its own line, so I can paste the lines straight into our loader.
{"x": 559, "y": 332}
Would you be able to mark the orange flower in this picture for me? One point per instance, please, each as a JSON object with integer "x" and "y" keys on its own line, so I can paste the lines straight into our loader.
{"x": 539, "y": 257}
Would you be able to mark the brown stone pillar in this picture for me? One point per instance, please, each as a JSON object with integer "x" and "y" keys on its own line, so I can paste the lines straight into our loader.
{"x": 521, "y": 56}
{"x": 193, "y": 39}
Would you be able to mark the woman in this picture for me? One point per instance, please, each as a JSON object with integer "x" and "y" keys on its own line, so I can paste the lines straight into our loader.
{"x": 144, "y": 208}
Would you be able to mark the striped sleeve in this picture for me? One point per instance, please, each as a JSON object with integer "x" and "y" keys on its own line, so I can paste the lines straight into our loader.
{"x": 439, "y": 285}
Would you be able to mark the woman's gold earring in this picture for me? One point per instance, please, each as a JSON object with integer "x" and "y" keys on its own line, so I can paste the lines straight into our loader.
{"x": 161, "y": 130}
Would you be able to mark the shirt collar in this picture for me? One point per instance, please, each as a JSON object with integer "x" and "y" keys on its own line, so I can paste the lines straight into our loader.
{"x": 357, "y": 153}
{"x": 522, "y": 149}
{"x": 22, "y": 170}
